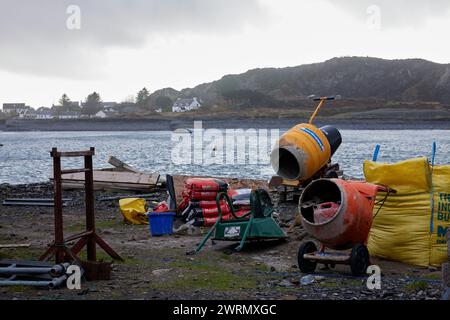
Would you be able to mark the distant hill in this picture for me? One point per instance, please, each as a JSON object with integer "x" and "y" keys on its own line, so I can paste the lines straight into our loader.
{"x": 352, "y": 77}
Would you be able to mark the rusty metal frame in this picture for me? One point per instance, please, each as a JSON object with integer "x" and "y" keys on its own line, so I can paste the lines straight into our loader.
{"x": 59, "y": 247}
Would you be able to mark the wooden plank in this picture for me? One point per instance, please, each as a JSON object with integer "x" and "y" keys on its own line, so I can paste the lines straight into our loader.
{"x": 67, "y": 184}
{"x": 149, "y": 196}
{"x": 116, "y": 177}
{"x": 67, "y": 154}
{"x": 121, "y": 165}
{"x": 67, "y": 171}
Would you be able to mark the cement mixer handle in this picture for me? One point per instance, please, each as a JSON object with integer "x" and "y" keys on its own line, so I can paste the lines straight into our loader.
{"x": 337, "y": 97}
{"x": 321, "y": 103}
{"x": 384, "y": 188}
{"x": 388, "y": 191}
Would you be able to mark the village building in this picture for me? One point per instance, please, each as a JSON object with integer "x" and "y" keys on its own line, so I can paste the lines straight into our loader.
{"x": 109, "y": 107}
{"x": 101, "y": 114}
{"x": 183, "y": 105}
{"x": 44, "y": 114}
{"x": 15, "y": 108}
{"x": 28, "y": 114}
{"x": 68, "y": 115}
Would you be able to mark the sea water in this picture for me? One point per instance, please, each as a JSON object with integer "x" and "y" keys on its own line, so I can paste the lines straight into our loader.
{"x": 25, "y": 156}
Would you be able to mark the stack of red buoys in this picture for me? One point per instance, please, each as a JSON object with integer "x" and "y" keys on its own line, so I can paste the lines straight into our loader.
{"x": 199, "y": 201}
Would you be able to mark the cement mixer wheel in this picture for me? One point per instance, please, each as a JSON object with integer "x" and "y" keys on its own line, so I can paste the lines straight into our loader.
{"x": 306, "y": 266}
{"x": 359, "y": 260}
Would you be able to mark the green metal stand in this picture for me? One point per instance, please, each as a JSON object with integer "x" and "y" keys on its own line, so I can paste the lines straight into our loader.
{"x": 258, "y": 223}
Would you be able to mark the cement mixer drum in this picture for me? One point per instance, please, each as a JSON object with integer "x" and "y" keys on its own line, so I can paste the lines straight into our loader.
{"x": 339, "y": 214}
{"x": 304, "y": 150}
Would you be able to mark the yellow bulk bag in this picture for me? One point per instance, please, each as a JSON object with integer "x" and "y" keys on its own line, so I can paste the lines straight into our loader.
{"x": 440, "y": 214}
{"x": 409, "y": 177}
{"x": 133, "y": 210}
{"x": 403, "y": 229}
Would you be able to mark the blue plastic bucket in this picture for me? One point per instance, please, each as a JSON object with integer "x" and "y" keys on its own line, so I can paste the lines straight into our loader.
{"x": 161, "y": 223}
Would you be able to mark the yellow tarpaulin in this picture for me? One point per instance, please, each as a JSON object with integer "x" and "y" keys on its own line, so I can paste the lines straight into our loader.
{"x": 407, "y": 229}
{"x": 133, "y": 210}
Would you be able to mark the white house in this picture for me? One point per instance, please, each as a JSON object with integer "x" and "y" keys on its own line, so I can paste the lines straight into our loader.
{"x": 101, "y": 114}
{"x": 183, "y": 105}
{"x": 28, "y": 114}
{"x": 69, "y": 115}
{"x": 16, "y": 108}
{"x": 44, "y": 114}
{"x": 109, "y": 107}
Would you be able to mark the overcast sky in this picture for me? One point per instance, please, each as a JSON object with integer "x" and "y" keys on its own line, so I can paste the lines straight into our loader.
{"x": 116, "y": 47}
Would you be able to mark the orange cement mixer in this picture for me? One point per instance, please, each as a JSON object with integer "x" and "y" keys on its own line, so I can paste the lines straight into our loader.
{"x": 339, "y": 214}
{"x": 304, "y": 152}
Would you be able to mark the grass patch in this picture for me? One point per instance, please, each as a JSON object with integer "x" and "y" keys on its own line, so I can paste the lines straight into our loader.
{"x": 287, "y": 290}
{"x": 354, "y": 282}
{"x": 262, "y": 267}
{"x": 416, "y": 286}
{"x": 433, "y": 276}
{"x": 215, "y": 271}
{"x": 101, "y": 255}
{"x": 190, "y": 265}
{"x": 99, "y": 224}
{"x": 21, "y": 253}
{"x": 328, "y": 284}
{"x": 19, "y": 289}
{"x": 219, "y": 280}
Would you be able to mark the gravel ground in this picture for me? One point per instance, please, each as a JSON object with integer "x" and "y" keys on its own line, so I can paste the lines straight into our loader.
{"x": 158, "y": 268}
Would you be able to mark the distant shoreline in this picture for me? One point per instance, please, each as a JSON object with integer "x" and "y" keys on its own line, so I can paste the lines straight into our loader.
{"x": 164, "y": 124}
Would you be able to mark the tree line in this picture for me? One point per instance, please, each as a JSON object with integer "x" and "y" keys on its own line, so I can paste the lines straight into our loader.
{"x": 93, "y": 103}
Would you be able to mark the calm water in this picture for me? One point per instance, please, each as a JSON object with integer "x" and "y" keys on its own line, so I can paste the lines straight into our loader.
{"x": 24, "y": 156}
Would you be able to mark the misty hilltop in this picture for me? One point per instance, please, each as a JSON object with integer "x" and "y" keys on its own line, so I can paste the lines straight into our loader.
{"x": 408, "y": 80}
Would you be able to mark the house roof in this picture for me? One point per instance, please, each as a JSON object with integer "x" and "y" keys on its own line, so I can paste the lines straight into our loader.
{"x": 15, "y": 106}
{"x": 45, "y": 113}
{"x": 187, "y": 101}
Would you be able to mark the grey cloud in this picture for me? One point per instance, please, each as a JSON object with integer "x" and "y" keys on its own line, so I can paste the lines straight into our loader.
{"x": 34, "y": 38}
{"x": 397, "y": 13}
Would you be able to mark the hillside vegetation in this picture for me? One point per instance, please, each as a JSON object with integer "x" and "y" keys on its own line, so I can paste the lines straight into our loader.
{"x": 388, "y": 82}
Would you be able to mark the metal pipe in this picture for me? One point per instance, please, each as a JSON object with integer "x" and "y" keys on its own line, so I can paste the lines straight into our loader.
{"x": 54, "y": 283}
{"x": 57, "y": 282}
{"x": 24, "y": 283}
{"x": 59, "y": 269}
{"x": 30, "y": 204}
{"x": 54, "y": 271}
{"x": 25, "y": 270}
{"x": 35, "y": 199}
